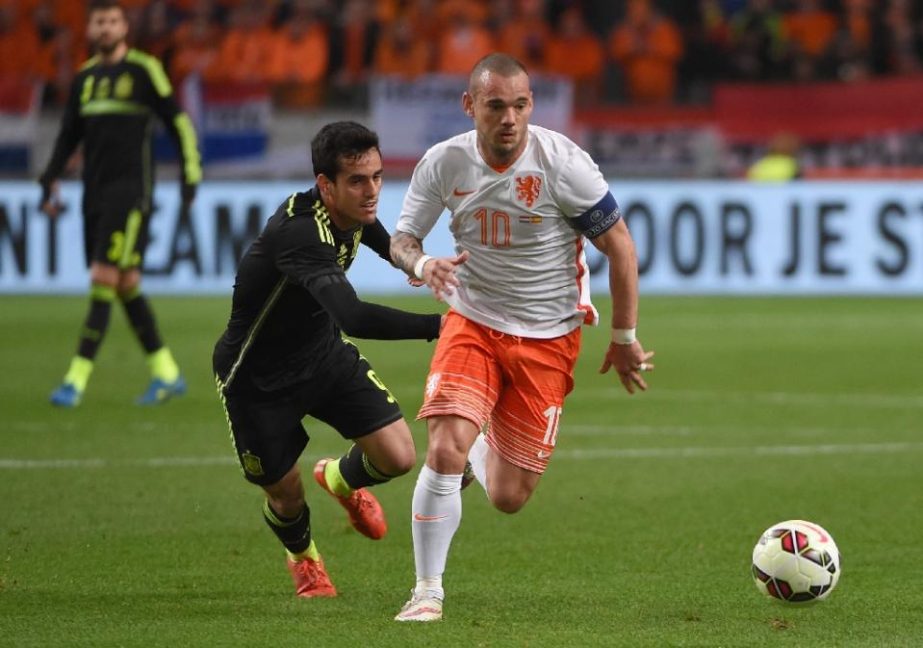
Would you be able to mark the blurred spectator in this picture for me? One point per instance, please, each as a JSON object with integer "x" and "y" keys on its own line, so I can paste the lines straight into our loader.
{"x": 427, "y": 24}
{"x": 757, "y": 42}
{"x": 809, "y": 30}
{"x": 242, "y": 54}
{"x": 20, "y": 48}
{"x": 197, "y": 40}
{"x": 477, "y": 10}
{"x": 647, "y": 46}
{"x": 576, "y": 52}
{"x": 463, "y": 43}
{"x": 526, "y": 34}
{"x": 706, "y": 38}
{"x": 902, "y": 29}
{"x": 400, "y": 52}
{"x": 780, "y": 163}
{"x": 353, "y": 42}
{"x": 153, "y": 33}
{"x": 297, "y": 61}
{"x": 859, "y": 46}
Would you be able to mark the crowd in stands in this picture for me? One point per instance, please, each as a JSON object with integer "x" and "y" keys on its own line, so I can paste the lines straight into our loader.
{"x": 616, "y": 51}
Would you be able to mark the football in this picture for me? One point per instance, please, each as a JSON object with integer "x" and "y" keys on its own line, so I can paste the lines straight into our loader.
{"x": 796, "y": 561}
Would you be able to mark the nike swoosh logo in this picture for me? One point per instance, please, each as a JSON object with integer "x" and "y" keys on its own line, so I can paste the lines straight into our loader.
{"x": 428, "y": 518}
{"x": 456, "y": 192}
{"x": 542, "y": 454}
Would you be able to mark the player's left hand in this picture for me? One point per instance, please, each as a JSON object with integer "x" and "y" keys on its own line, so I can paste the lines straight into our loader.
{"x": 630, "y": 362}
{"x": 439, "y": 274}
{"x": 50, "y": 202}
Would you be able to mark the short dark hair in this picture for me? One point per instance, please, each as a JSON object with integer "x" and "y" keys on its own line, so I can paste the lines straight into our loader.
{"x": 496, "y": 63}
{"x": 338, "y": 140}
{"x": 104, "y": 5}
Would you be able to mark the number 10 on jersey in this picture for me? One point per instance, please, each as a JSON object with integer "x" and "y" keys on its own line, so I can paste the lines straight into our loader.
{"x": 496, "y": 224}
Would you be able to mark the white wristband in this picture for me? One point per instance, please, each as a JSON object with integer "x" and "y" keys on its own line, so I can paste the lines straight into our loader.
{"x": 418, "y": 266}
{"x": 623, "y": 336}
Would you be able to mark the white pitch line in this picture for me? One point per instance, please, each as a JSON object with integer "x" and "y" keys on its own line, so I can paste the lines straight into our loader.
{"x": 786, "y": 450}
{"x": 153, "y": 462}
{"x": 870, "y": 401}
{"x": 595, "y": 453}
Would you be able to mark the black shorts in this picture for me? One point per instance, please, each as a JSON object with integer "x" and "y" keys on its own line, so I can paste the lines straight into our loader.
{"x": 266, "y": 428}
{"x": 115, "y": 229}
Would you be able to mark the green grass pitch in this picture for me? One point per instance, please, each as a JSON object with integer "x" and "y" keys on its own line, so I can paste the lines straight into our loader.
{"x": 130, "y": 527}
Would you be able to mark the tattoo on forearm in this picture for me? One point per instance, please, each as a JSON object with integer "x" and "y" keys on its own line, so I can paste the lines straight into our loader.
{"x": 405, "y": 250}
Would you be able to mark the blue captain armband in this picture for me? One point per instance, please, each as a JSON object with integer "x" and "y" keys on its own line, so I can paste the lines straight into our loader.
{"x": 598, "y": 218}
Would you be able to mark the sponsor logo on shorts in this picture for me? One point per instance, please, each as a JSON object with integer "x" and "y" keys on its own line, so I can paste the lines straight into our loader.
{"x": 432, "y": 384}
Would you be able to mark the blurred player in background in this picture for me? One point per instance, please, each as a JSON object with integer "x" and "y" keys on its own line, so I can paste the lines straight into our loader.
{"x": 282, "y": 356}
{"x": 110, "y": 109}
{"x": 523, "y": 201}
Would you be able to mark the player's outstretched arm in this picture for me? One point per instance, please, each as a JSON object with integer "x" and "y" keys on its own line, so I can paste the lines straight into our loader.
{"x": 362, "y": 319}
{"x": 436, "y": 272}
{"x": 625, "y": 352}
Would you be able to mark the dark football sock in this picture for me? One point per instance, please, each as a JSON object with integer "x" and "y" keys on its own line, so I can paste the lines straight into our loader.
{"x": 293, "y": 533}
{"x": 97, "y": 321}
{"x": 139, "y": 312}
{"x": 358, "y": 471}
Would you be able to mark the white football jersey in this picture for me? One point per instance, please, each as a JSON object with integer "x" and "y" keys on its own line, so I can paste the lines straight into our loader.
{"x": 527, "y": 274}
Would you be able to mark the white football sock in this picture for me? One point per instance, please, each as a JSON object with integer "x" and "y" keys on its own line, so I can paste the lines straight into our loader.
{"x": 436, "y": 514}
{"x": 477, "y": 457}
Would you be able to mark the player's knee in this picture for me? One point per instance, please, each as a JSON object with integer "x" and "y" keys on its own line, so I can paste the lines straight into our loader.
{"x": 400, "y": 462}
{"x": 508, "y": 502}
{"x": 128, "y": 284}
{"x": 287, "y": 504}
{"x": 446, "y": 453}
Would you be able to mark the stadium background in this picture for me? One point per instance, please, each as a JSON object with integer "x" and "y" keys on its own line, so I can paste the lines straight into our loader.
{"x": 786, "y": 318}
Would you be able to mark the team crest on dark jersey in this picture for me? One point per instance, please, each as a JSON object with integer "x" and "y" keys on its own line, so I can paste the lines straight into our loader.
{"x": 123, "y": 86}
{"x": 104, "y": 88}
{"x": 528, "y": 189}
{"x": 251, "y": 463}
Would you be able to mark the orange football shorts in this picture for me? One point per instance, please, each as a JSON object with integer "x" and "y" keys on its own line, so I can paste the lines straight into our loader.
{"x": 513, "y": 385}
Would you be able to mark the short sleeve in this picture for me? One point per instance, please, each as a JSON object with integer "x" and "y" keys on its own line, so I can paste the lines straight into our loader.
{"x": 423, "y": 202}
{"x": 580, "y": 185}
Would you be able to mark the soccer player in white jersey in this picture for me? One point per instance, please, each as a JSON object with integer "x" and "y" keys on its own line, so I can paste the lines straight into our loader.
{"x": 523, "y": 200}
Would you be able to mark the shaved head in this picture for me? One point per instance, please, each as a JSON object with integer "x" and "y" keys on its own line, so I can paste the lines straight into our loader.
{"x": 500, "y": 64}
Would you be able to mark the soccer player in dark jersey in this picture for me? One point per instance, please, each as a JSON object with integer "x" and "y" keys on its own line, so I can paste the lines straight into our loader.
{"x": 283, "y": 355}
{"x": 112, "y": 102}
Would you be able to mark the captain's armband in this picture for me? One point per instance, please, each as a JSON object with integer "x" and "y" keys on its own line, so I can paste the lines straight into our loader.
{"x": 598, "y": 218}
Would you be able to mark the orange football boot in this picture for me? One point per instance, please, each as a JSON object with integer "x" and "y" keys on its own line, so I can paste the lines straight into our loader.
{"x": 311, "y": 579}
{"x": 365, "y": 513}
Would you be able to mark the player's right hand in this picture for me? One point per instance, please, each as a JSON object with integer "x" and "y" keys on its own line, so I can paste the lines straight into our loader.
{"x": 49, "y": 203}
{"x": 439, "y": 274}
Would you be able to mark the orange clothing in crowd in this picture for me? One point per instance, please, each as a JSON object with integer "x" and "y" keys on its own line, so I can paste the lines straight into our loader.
{"x": 525, "y": 34}
{"x": 299, "y": 56}
{"x": 648, "y": 52}
{"x": 462, "y": 45}
{"x": 21, "y": 54}
{"x": 574, "y": 50}
{"x": 399, "y": 53}
{"x": 196, "y": 49}
{"x": 242, "y": 56}
{"x": 812, "y": 30}
{"x": 526, "y": 41}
